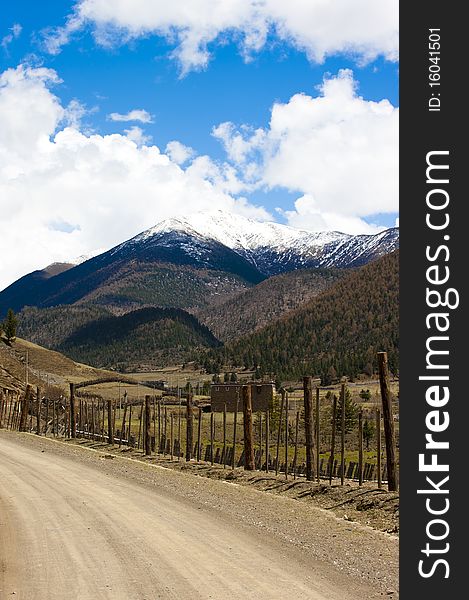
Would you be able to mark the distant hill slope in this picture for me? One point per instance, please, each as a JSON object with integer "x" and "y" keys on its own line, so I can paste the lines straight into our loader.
{"x": 341, "y": 329}
{"x": 266, "y": 302}
{"x": 144, "y": 338}
{"x": 43, "y": 366}
{"x": 172, "y": 269}
{"x": 27, "y": 287}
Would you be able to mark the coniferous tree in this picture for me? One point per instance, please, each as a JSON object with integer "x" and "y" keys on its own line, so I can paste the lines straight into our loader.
{"x": 351, "y": 413}
{"x": 368, "y": 432}
{"x": 9, "y": 326}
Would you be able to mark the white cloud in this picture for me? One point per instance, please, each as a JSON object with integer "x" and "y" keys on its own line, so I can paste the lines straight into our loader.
{"x": 65, "y": 193}
{"x": 337, "y": 149}
{"x": 137, "y": 114}
{"x": 137, "y": 135}
{"x": 363, "y": 28}
{"x": 16, "y": 30}
{"x": 179, "y": 153}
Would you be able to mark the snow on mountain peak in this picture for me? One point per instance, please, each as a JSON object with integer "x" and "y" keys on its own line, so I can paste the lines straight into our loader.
{"x": 242, "y": 233}
{"x": 270, "y": 247}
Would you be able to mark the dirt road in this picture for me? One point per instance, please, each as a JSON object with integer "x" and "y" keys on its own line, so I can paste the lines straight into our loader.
{"x": 75, "y": 525}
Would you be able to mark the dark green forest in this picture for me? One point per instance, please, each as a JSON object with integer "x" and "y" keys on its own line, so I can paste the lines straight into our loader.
{"x": 337, "y": 333}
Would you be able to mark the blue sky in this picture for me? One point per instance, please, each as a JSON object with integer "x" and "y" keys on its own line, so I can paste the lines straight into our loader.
{"x": 143, "y": 73}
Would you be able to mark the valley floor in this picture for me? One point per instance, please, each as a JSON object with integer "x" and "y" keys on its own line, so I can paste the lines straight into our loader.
{"x": 78, "y": 523}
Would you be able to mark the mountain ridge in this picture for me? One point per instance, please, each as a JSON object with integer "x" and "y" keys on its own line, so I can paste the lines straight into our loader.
{"x": 219, "y": 250}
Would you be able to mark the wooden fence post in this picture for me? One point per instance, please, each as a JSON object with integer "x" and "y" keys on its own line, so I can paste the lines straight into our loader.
{"x": 114, "y": 414}
{"x": 249, "y": 461}
{"x": 295, "y": 456}
{"x": 110, "y": 432}
{"x": 47, "y": 412}
{"x": 123, "y": 424}
{"x": 235, "y": 422}
{"x": 165, "y": 429}
{"x": 318, "y": 445}
{"x": 199, "y": 434}
{"x": 286, "y": 435}
{"x": 179, "y": 429}
{"x": 147, "y": 426}
{"x": 171, "y": 434}
{"x": 261, "y": 447}
{"x": 38, "y": 412}
{"x": 189, "y": 427}
{"x": 140, "y": 426}
{"x": 93, "y": 432}
{"x": 331, "y": 458}
{"x": 267, "y": 440}
{"x": 101, "y": 425}
{"x": 130, "y": 422}
{"x": 360, "y": 448}
{"x": 378, "y": 446}
{"x": 342, "y": 436}
{"x": 25, "y": 409}
{"x": 212, "y": 436}
{"x": 309, "y": 436}
{"x": 10, "y": 409}
{"x": 224, "y": 436}
{"x": 159, "y": 425}
{"x": 54, "y": 418}
{"x": 279, "y": 431}
{"x": 393, "y": 484}
{"x": 73, "y": 424}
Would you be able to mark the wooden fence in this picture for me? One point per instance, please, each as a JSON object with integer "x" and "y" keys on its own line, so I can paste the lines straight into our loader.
{"x": 310, "y": 440}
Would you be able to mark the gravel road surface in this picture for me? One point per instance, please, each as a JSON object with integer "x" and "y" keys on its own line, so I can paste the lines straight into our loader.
{"x": 75, "y": 524}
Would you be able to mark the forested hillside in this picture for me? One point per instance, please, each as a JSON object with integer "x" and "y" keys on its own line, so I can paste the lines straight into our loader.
{"x": 149, "y": 337}
{"x": 266, "y": 302}
{"x": 339, "y": 332}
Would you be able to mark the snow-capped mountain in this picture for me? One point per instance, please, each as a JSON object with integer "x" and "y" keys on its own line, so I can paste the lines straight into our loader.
{"x": 200, "y": 256}
{"x": 271, "y": 247}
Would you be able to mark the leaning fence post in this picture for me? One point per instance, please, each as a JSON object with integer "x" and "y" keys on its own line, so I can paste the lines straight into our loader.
{"x": 393, "y": 484}
{"x": 309, "y": 435}
{"x": 249, "y": 461}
